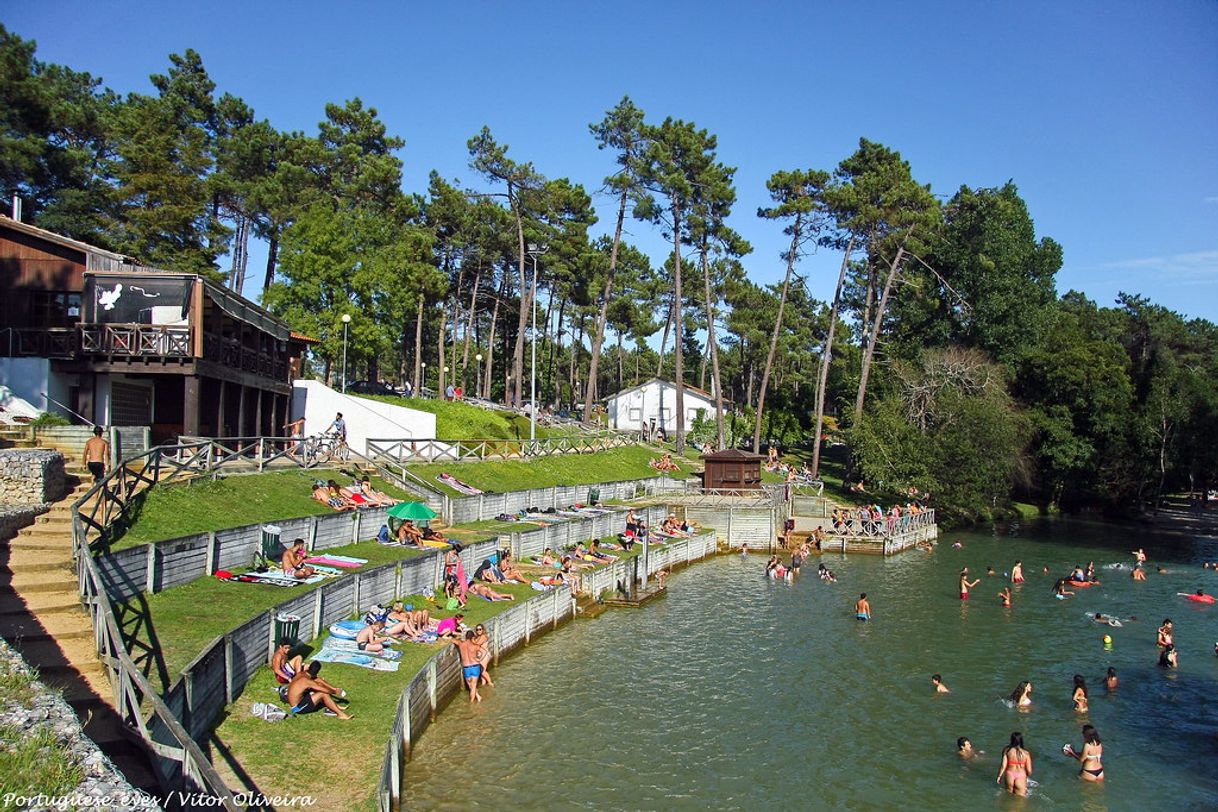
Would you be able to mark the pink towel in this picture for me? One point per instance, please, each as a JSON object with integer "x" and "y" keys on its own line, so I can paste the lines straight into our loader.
{"x": 461, "y": 580}
{"x": 331, "y": 562}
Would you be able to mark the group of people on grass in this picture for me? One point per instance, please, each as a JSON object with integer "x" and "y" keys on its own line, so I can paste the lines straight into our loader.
{"x": 359, "y": 494}
{"x": 664, "y": 464}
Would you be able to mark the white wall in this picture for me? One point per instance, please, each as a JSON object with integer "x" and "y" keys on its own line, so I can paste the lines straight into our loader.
{"x": 27, "y": 379}
{"x": 366, "y": 419}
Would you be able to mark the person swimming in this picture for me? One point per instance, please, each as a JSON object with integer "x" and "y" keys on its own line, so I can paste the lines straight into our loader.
{"x": 1079, "y": 697}
{"x": 1168, "y": 657}
{"x": 937, "y": 681}
{"x": 1005, "y": 597}
{"x": 1021, "y": 697}
{"x": 1110, "y": 679}
{"x": 964, "y": 748}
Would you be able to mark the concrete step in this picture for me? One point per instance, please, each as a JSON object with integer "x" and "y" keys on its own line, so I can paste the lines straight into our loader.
{"x": 13, "y": 605}
{"x": 37, "y": 543}
{"x": 60, "y": 579}
{"x": 24, "y": 559}
{"x": 44, "y": 531}
{"x": 61, "y": 518}
{"x": 53, "y": 625}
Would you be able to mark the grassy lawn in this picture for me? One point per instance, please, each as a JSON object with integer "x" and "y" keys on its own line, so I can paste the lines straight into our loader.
{"x": 500, "y": 476}
{"x": 188, "y": 617}
{"x": 171, "y": 511}
{"x": 336, "y": 762}
{"x": 463, "y": 421}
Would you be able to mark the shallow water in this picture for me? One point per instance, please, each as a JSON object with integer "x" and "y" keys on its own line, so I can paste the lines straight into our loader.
{"x": 735, "y": 691}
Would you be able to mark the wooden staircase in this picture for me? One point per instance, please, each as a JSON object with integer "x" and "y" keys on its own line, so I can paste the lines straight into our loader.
{"x": 13, "y": 436}
{"x": 41, "y": 616}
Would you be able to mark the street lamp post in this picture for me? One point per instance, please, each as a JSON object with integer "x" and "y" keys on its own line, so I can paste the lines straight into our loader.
{"x": 346, "y": 321}
{"x": 423, "y": 385}
{"x": 441, "y": 381}
{"x": 478, "y": 376}
{"x": 534, "y": 251}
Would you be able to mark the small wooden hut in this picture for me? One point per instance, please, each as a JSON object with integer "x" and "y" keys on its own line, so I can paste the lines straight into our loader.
{"x": 732, "y": 470}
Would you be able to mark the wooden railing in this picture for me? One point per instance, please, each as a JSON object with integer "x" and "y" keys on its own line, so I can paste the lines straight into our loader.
{"x": 38, "y": 342}
{"x": 180, "y": 763}
{"x": 410, "y": 450}
{"x": 136, "y": 339}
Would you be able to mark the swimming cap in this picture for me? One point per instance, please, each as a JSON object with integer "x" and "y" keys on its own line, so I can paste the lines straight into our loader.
{"x": 1108, "y": 640}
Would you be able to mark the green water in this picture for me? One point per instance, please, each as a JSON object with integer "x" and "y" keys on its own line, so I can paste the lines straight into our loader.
{"x": 735, "y": 692}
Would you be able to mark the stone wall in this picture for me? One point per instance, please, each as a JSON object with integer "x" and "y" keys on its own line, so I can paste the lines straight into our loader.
{"x": 13, "y": 518}
{"x": 41, "y": 709}
{"x": 31, "y": 476}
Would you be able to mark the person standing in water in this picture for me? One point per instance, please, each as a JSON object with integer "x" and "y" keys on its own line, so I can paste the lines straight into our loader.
{"x": 1016, "y": 766}
{"x": 1080, "y": 694}
{"x": 1089, "y": 756}
{"x": 862, "y": 609}
{"x": 1017, "y": 573}
{"x": 937, "y": 681}
{"x": 1021, "y": 697}
{"x": 1110, "y": 679}
{"x": 1164, "y": 639}
{"x": 966, "y": 584}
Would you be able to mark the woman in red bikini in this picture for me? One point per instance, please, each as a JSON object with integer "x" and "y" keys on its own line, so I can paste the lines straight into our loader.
{"x": 1016, "y": 766}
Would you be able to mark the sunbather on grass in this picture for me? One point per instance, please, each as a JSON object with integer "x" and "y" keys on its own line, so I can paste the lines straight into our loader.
{"x": 509, "y": 570}
{"x": 594, "y": 550}
{"x": 431, "y": 534}
{"x": 338, "y": 498}
{"x": 485, "y": 591}
{"x": 307, "y": 692}
{"x": 372, "y": 638}
{"x": 375, "y": 498}
{"x": 322, "y": 494}
{"x": 293, "y": 561}
{"x": 410, "y": 536}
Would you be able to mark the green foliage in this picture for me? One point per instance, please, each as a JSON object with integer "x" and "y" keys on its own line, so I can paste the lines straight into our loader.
{"x": 463, "y": 421}
{"x": 50, "y": 419}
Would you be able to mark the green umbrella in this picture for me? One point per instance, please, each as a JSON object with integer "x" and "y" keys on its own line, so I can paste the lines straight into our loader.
{"x": 415, "y": 511}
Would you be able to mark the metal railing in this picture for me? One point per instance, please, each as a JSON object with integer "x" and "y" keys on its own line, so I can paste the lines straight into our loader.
{"x": 410, "y": 450}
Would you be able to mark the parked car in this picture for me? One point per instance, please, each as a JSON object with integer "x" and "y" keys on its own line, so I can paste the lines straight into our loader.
{"x": 370, "y": 388}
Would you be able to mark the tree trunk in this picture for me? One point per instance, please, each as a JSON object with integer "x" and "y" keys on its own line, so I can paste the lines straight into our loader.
{"x": 676, "y": 320}
{"x": 456, "y": 320}
{"x": 869, "y": 353}
{"x": 598, "y": 337}
{"x": 796, "y": 228}
{"x": 663, "y": 346}
{"x": 826, "y": 359}
{"x": 555, "y": 347}
{"x": 490, "y": 340}
{"x": 440, "y": 374}
{"x": 522, "y": 319}
{"x": 418, "y": 350}
{"x": 469, "y": 324}
{"x": 716, "y": 383}
{"x": 241, "y": 242}
{"x": 620, "y": 362}
{"x": 272, "y": 256}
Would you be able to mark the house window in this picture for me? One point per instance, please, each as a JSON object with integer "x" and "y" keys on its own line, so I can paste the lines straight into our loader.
{"x": 55, "y": 308}
{"x": 636, "y": 415}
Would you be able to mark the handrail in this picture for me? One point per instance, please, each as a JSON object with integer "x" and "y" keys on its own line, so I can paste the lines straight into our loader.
{"x": 412, "y": 449}
{"x": 132, "y": 691}
{"x": 62, "y": 406}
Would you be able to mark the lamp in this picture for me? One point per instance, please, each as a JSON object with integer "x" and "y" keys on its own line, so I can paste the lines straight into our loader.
{"x": 346, "y": 321}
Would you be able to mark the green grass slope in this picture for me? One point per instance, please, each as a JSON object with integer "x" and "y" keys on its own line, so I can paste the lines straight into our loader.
{"x": 463, "y": 421}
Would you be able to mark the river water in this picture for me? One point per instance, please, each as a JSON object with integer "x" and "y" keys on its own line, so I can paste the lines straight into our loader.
{"x": 734, "y": 691}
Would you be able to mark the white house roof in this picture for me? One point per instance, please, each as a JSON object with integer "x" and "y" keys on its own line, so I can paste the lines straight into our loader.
{"x": 695, "y": 390}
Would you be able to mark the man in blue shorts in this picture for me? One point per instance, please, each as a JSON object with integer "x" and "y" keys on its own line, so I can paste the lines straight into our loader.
{"x": 471, "y": 669}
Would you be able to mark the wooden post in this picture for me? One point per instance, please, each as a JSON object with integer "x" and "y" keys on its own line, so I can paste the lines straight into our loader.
{"x": 406, "y": 721}
{"x": 555, "y": 610}
{"x": 241, "y": 410}
{"x": 317, "y": 607}
{"x": 150, "y": 571}
{"x": 646, "y": 556}
{"x": 358, "y": 581}
{"x": 397, "y": 581}
{"x": 312, "y": 540}
{"x": 355, "y": 525}
{"x": 212, "y": 552}
{"x": 431, "y": 686}
{"x": 228, "y": 668}
{"x": 190, "y": 405}
{"x": 222, "y": 410}
{"x": 498, "y": 639}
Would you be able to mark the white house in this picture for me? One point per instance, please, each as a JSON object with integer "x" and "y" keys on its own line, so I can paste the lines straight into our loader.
{"x": 652, "y": 404}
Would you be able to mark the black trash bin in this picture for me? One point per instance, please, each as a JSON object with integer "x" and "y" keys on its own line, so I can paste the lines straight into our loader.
{"x": 594, "y": 496}
{"x": 287, "y": 626}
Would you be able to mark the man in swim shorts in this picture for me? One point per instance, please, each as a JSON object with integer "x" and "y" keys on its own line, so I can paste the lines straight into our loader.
{"x": 966, "y": 584}
{"x": 471, "y": 669}
{"x": 862, "y": 609}
{"x": 307, "y": 693}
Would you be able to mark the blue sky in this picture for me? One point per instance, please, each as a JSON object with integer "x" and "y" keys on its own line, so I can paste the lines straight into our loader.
{"x": 1104, "y": 113}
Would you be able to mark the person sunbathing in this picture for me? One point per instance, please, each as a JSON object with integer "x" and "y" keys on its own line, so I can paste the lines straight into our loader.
{"x": 672, "y": 527}
{"x": 485, "y": 591}
{"x": 375, "y": 498}
{"x": 488, "y": 571}
{"x": 429, "y": 533}
{"x": 322, "y": 494}
{"x": 307, "y": 693}
{"x": 549, "y": 559}
{"x": 340, "y": 498}
{"x": 595, "y": 551}
{"x": 293, "y": 561}
{"x": 575, "y": 562}
{"x": 569, "y": 575}
{"x": 509, "y": 570}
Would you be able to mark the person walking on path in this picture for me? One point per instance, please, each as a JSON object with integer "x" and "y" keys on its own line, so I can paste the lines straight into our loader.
{"x": 97, "y": 454}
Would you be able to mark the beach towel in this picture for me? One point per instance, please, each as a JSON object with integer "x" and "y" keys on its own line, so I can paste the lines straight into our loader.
{"x": 255, "y": 578}
{"x": 462, "y": 581}
{"x": 343, "y": 644}
{"x": 337, "y": 561}
{"x": 330, "y": 655}
{"x": 457, "y": 485}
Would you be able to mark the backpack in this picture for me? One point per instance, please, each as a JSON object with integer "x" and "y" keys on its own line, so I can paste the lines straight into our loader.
{"x": 376, "y": 613}
{"x": 382, "y": 535}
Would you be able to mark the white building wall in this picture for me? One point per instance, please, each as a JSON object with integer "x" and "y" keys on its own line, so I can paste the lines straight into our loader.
{"x": 28, "y": 380}
{"x": 655, "y": 400}
{"x": 366, "y": 419}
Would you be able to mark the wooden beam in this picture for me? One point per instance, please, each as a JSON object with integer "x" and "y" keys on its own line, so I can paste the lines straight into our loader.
{"x": 190, "y": 405}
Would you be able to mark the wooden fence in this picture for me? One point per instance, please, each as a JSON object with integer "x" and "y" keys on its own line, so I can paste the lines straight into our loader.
{"x": 409, "y": 450}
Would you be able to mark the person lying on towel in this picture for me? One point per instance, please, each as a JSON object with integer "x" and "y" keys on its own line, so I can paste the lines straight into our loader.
{"x": 293, "y": 561}
{"x": 322, "y": 494}
{"x": 375, "y": 498}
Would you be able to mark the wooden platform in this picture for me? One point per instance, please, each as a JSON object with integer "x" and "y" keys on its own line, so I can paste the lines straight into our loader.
{"x": 641, "y": 597}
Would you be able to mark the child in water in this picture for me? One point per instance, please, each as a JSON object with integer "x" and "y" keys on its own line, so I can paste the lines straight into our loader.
{"x": 862, "y": 609}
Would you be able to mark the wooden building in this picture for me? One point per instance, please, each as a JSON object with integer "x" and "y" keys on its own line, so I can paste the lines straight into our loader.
{"x": 732, "y": 470}
{"x": 92, "y": 335}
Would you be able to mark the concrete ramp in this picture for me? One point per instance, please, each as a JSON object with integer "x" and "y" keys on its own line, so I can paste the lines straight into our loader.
{"x": 365, "y": 418}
